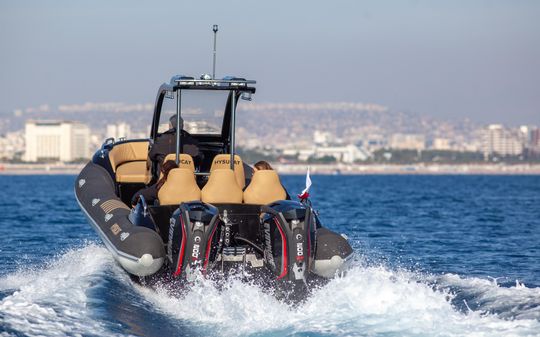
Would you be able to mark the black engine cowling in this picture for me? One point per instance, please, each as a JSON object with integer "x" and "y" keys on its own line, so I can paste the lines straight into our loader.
{"x": 193, "y": 238}
{"x": 288, "y": 236}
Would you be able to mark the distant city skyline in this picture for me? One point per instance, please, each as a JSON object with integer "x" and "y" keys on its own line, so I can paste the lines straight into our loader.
{"x": 68, "y": 141}
{"x": 475, "y": 59}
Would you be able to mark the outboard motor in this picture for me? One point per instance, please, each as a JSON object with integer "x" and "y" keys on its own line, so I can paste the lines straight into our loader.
{"x": 288, "y": 236}
{"x": 193, "y": 240}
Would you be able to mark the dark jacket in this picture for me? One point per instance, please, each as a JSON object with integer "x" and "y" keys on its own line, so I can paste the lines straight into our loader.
{"x": 149, "y": 193}
{"x": 165, "y": 144}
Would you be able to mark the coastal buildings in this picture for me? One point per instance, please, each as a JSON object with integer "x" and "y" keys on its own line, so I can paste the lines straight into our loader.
{"x": 119, "y": 130}
{"x": 502, "y": 141}
{"x": 324, "y": 147}
{"x": 347, "y": 154}
{"x": 56, "y": 141}
{"x": 317, "y": 133}
{"x": 443, "y": 144}
{"x": 12, "y": 145}
{"x": 535, "y": 141}
{"x": 401, "y": 141}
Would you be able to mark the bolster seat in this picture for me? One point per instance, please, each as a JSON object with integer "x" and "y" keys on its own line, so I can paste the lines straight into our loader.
{"x": 132, "y": 172}
{"x": 264, "y": 188}
{"x": 222, "y": 187}
{"x": 128, "y": 162}
{"x": 179, "y": 187}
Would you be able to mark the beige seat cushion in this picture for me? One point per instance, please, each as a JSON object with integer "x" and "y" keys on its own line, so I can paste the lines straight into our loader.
{"x": 132, "y": 172}
{"x": 128, "y": 161}
{"x": 222, "y": 188}
{"x": 264, "y": 188}
{"x": 223, "y": 161}
{"x": 179, "y": 187}
{"x": 126, "y": 152}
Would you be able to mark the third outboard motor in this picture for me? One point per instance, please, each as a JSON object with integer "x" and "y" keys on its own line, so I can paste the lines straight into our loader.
{"x": 193, "y": 240}
{"x": 288, "y": 236}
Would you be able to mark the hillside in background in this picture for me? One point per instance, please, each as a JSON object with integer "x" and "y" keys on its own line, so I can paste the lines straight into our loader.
{"x": 265, "y": 123}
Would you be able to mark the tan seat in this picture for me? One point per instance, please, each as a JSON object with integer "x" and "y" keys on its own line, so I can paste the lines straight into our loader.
{"x": 132, "y": 172}
{"x": 179, "y": 187}
{"x": 264, "y": 188}
{"x": 223, "y": 161}
{"x": 222, "y": 188}
{"x": 128, "y": 161}
{"x": 186, "y": 161}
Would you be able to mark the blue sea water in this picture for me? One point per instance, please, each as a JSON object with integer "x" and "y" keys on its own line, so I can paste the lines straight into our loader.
{"x": 435, "y": 256}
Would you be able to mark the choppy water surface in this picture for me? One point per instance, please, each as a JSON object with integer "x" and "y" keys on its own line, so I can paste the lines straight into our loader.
{"x": 436, "y": 255}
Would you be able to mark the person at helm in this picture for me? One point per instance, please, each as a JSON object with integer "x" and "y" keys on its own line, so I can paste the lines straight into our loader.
{"x": 165, "y": 144}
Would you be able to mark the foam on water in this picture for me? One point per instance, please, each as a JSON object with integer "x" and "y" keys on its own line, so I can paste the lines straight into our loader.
{"x": 52, "y": 301}
{"x": 517, "y": 302}
{"x": 370, "y": 300}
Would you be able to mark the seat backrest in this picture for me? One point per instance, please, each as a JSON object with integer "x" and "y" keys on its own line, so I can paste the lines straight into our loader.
{"x": 128, "y": 152}
{"x": 179, "y": 187}
{"x": 186, "y": 161}
{"x": 223, "y": 161}
{"x": 222, "y": 188}
{"x": 264, "y": 188}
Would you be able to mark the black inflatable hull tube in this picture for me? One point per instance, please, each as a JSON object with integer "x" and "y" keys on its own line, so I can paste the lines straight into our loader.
{"x": 139, "y": 250}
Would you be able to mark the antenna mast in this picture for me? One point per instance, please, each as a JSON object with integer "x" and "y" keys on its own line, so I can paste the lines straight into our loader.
{"x": 215, "y": 29}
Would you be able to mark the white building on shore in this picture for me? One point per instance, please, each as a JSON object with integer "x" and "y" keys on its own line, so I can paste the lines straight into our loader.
{"x": 343, "y": 154}
{"x": 347, "y": 154}
{"x": 502, "y": 141}
{"x": 408, "y": 141}
{"x": 63, "y": 141}
{"x": 443, "y": 144}
{"x": 118, "y": 131}
{"x": 11, "y": 145}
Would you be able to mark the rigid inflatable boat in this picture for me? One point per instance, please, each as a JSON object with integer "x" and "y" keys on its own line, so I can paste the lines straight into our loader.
{"x": 215, "y": 215}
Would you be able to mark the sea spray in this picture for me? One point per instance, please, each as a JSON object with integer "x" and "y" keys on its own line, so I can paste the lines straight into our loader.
{"x": 368, "y": 301}
{"x": 52, "y": 300}
{"x": 59, "y": 300}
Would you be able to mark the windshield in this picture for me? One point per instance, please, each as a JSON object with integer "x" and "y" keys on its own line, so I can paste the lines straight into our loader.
{"x": 202, "y": 111}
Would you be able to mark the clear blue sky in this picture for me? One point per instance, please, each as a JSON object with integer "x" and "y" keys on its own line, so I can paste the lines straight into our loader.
{"x": 478, "y": 59}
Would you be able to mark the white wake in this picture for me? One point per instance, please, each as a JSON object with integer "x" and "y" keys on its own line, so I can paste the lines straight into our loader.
{"x": 52, "y": 300}
{"x": 371, "y": 300}
{"x": 368, "y": 301}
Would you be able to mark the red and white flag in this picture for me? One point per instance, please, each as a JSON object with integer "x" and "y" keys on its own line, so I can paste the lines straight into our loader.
{"x": 305, "y": 192}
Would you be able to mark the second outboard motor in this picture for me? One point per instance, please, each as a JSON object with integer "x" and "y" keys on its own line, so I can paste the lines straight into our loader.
{"x": 288, "y": 236}
{"x": 193, "y": 240}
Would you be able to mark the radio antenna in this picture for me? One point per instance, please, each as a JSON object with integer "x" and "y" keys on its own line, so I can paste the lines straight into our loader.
{"x": 215, "y": 29}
